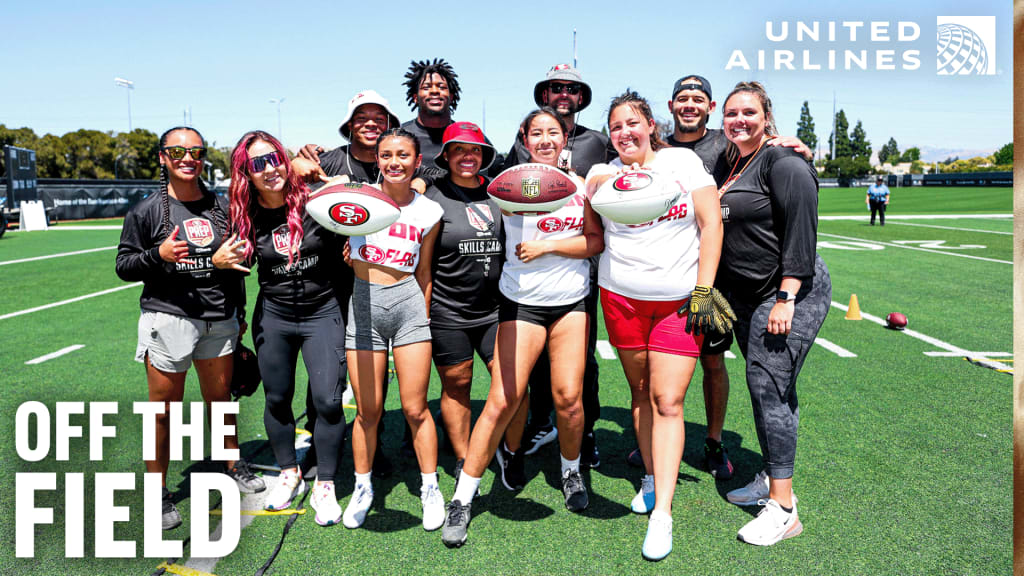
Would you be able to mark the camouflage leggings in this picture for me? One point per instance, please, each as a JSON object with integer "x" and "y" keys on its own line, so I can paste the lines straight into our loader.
{"x": 774, "y": 362}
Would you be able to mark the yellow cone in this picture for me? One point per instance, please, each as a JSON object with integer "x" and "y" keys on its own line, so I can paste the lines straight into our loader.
{"x": 853, "y": 312}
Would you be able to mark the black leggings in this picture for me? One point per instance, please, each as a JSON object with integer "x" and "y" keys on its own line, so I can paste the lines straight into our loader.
{"x": 279, "y": 336}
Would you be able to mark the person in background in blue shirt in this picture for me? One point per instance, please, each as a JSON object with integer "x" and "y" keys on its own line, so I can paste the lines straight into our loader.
{"x": 877, "y": 200}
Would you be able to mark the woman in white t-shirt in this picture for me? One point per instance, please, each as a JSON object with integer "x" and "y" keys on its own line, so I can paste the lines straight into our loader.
{"x": 646, "y": 274}
{"x": 390, "y": 305}
{"x": 544, "y": 281}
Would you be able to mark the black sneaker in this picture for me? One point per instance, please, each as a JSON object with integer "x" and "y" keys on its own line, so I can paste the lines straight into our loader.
{"x": 717, "y": 459}
{"x": 248, "y": 483}
{"x": 456, "y": 524}
{"x": 382, "y": 467}
{"x": 635, "y": 458}
{"x": 575, "y": 492}
{"x": 513, "y": 473}
{"x": 535, "y": 438}
{"x": 589, "y": 456}
{"x": 171, "y": 518}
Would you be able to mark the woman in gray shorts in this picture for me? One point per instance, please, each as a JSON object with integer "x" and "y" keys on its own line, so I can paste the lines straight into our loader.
{"x": 390, "y": 305}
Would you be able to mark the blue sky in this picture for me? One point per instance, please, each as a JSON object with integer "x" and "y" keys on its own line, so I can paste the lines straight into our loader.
{"x": 225, "y": 60}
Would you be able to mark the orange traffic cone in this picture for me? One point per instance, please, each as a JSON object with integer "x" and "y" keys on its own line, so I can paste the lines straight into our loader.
{"x": 853, "y": 311}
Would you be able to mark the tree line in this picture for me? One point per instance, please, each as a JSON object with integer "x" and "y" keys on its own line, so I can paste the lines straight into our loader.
{"x": 94, "y": 154}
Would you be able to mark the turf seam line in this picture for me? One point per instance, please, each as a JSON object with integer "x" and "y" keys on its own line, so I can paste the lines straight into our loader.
{"x": 895, "y": 245}
{"x": 61, "y": 255}
{"x": 70, "y": 301}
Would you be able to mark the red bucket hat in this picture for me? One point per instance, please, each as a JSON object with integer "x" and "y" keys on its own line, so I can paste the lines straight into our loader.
{"x": 466, "y": 133}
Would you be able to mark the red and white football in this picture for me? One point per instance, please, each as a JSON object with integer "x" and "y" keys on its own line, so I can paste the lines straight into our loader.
{"x": 531, "y": 189}
{"x": 896, "y": 321}
{"x": 635, "y": 197}
{"x": 352, "y": 209}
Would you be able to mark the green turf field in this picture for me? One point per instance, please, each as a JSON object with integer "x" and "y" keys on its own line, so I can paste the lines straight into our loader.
{"x": 904, "y": 463}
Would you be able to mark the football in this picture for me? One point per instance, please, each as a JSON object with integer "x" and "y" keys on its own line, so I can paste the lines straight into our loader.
{"x": 531, "y": 189}
{"x": 896, "y": 321}
{"x": 352, "y": 209}
{"x": 635, "y": 197}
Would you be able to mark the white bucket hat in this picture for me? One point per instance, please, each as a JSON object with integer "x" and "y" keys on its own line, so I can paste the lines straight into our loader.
{"x": 366, "y": 97}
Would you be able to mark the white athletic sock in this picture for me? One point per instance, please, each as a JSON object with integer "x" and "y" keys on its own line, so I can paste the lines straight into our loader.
{"x": 429, "y": 479}
{"x": 573, "y": 465}
{"x": 466, "y": 489}
{"x": 363, "y": 479}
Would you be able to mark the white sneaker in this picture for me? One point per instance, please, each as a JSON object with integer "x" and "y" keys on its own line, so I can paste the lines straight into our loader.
{"x": 771, "y": 525}
{"x": 288, "y": 487}
{"x": 643, "y": 502}
{"x": 750, "y": 494}
{"x": 433, "y": 507}
{"x": 325, "y": 502}
{"x": 358, "y": 506}
{"x": 658, "y": 542}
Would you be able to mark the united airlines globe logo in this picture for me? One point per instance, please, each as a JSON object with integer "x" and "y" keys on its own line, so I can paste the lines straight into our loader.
{"x": 963, "y": 50}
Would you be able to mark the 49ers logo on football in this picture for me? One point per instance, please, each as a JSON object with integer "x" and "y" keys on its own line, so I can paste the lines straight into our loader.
{"x": 632, "y": 181}
{"x": 550, "y": 225}
{"x": 371, "y": 253}
{"x": 198, "y": 231}
{"x": 349, "y": 213}
{"x": 280, "y": 236}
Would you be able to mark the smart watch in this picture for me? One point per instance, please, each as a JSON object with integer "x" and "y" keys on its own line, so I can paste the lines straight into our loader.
{"x": 783, "y": 296}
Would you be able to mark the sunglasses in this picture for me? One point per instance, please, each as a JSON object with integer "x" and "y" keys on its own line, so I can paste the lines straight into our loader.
{"x": 573, "y": 89}
{"x": 178, "y": 152}
{"x": 258, "y": 163}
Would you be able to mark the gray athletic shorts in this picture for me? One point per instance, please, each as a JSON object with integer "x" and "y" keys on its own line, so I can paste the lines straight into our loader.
{"x": 172, "y": 342}
{"x": 378, "y": 314}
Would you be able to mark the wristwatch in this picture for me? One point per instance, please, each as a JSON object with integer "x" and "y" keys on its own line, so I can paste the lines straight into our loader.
{"x": 783, "y": 296}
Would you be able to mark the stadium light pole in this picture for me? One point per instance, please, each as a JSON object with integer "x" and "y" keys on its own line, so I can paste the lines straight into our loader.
{"x": 128, "y": 85}
{"x": 278, "y": 101}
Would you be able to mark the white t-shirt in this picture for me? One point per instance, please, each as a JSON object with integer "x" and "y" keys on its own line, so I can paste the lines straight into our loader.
{"x": 550, "y": 280}
{"x": 656, "y": 260}
{"x": 398, "y": 246}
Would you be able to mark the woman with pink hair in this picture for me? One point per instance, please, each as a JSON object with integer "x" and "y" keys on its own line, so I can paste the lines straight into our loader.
{"x": 300, "y": 278}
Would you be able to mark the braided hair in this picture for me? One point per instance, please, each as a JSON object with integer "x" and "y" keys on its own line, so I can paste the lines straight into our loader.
{"x": 244, "y": 201}
{"x": 732, "y": 152}
{"x": 419, "y": 71}
{"x": 639, "y": 105}
{"x": 220, "y": 218}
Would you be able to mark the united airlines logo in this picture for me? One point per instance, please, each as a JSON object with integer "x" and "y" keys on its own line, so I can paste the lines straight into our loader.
{"x": 966, "y": 45}
{"x": 531, "y": 187}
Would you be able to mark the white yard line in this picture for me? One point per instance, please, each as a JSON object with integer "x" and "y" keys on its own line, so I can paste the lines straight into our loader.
{"x": 69, "y": 301}
{"x": 61, "y": 255}
{"x": 834, "y": 348}
{"x": 954, "y": 350}
{"x": 72, "y": 228}
{"x": 56, "y": 354}
{"x": 895, "y": 245}
{"x": 953, "y": 228}
{"x": 919, "y": 217}
{"x": 936, "y": 354}
{"x": 605, "y": 350}
{"x": 730, "y": 355}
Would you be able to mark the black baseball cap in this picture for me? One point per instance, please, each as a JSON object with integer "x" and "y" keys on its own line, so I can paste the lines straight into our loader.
{"x": 692, "y": 82}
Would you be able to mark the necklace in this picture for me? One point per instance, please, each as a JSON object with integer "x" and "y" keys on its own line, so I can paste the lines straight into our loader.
{"x": 731, "y": 179}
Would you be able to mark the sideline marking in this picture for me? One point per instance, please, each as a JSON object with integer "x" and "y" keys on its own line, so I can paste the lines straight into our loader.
{"x": 730, "y": 355}
{"x": 61, "y": 255}
{"x": 56, "y": 354}
{"x": 928, "y": 339}
{"x": 920, "y": 217}
{"x": 605, "y": 350}
{"x": 86, "y": 227}
{"x": 69, "y": 301}
{"x": 936, "y": 354}
{"x": 954, "y": 228}
{"x": 894, "y": 245}
{"x": 835, "y": 348}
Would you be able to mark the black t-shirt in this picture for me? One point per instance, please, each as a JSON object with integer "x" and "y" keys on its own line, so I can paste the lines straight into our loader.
{"x": 711, "y": 150}
{"x": 197, "y": 290}
{"x": 585, "y": 147}
{"x": 339, "y": 162}
{"x": 315, "y": 276}
{"x": 467, "y": 257}
{"x": 770, "y": 214}
{"x": 430, "y": 146}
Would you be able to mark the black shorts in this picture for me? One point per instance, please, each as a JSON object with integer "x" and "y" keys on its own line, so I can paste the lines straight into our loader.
{"x": 540, "y": 315}
{"x": 453, "y": 346}
{"x": 715, "y": 343}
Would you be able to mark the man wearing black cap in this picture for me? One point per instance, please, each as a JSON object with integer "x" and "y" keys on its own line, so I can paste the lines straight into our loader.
{"x": 565, "y": 91}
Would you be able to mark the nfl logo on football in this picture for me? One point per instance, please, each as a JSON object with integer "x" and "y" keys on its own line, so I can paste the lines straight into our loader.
{"x": 531, "y": 187}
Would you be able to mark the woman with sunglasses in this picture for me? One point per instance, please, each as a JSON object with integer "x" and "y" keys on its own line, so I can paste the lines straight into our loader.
{"x": 650, "y": 275}
{"x": 544, "y": 283}
{"x": 390, "y": 305}
{"x": 193, "y": 303}
{"x": 298, "y": 309}
{"x": 466, "y": 268}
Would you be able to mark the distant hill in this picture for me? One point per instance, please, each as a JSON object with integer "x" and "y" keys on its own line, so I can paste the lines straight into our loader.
{"x": 929, "y": 154}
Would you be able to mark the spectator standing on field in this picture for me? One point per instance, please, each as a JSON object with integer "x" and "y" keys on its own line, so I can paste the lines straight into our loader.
{"x": 877, "y": 200}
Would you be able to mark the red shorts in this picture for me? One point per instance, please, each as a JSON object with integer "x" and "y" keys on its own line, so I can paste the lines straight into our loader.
{"x": 648, "y": 325}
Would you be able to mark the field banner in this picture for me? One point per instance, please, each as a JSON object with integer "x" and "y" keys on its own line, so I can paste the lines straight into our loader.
{"x": 80, "y": 199}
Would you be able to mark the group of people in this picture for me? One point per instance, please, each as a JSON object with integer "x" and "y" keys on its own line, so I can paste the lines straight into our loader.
{"x": 456, "y": 277}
